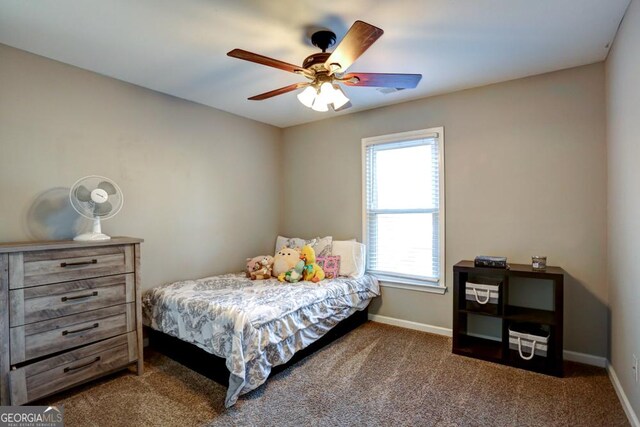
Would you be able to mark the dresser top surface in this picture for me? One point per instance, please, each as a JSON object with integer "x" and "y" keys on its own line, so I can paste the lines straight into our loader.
{"x": 44, "y": 245}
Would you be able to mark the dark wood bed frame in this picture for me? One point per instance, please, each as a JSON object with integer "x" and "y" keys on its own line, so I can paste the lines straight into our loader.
{"x": 214, "y": 367}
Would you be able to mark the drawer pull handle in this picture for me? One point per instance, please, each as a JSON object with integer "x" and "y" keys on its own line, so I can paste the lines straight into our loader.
{"x": 72, "y": 264}
{"x": 92, "y": 294}
{"x": 67, "y": 332}
{"x": 86, "y": 365}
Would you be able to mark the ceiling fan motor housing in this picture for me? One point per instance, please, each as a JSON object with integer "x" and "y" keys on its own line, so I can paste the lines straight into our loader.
{"x": 316, "y": 61}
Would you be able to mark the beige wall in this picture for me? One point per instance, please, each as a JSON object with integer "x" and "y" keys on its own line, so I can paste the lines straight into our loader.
{"x": 200, "y": 185}
{"x": 623, "y": 138}
{"x": 539, "y": 142}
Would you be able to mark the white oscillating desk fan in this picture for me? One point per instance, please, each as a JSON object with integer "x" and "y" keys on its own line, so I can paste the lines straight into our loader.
{"x": 96, "y": 198}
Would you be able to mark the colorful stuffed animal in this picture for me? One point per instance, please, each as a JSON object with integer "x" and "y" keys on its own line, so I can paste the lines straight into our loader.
{"x": 312, "y": 271}
{"x": 252, "y": 264}
{"x": 285, "y": 260}
{"x": 294, "y": 275}
{"x": 260, "y": 267}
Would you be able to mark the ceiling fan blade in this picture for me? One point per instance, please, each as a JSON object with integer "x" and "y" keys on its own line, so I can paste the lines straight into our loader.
{"x": 398, "y": 81}
{"x": 277, "y": 92}
{"x": 102, "y": 209}
{"x": 265, "y": 60}
{"x": 83, "y": 194}
{"x": 108, "y": 187}
{"x": 357, "y": 40}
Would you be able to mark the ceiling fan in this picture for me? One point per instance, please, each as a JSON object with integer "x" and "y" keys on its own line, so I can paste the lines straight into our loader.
{"x": 327, "y": 70}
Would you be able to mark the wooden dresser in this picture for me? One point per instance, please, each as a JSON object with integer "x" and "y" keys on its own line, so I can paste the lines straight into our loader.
{"x": 69, "y": 312}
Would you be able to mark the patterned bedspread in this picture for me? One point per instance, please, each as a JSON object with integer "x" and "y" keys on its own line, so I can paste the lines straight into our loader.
{"x": 254, "y": 325}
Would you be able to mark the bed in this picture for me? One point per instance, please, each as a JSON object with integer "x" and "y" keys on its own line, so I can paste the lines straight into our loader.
{"x": 254, "y": 325}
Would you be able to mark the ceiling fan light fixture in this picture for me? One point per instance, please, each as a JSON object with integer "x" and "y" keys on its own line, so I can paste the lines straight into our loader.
{"x": 307, "y": 96}
{"x": 325, "y": 93}
{"x": 330, "y": 93}
{"x": 339, "y": 98}
{"x": 318, "y": 99}
{"x": 319, "y": 105}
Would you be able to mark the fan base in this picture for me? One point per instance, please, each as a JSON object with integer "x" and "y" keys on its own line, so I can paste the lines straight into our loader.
{"x": 91, "y": 237}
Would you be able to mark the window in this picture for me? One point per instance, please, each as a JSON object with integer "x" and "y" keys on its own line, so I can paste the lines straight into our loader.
{"x": 403, "y": 202}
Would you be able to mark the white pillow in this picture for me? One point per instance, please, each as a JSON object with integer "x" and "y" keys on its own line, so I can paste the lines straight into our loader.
{"x": 352, "y": 257}
{"x": 321, "y": 245}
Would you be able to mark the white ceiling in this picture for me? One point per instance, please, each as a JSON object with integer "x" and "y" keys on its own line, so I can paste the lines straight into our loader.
{"x": 179, "y": 47}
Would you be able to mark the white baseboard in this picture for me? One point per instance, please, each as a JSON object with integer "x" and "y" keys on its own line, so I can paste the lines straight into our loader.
{"x": 572, "y": 356}
{"x": 438, "y": 330}
{"x": 586, "y": 359}
{"x": 626, "y": 405}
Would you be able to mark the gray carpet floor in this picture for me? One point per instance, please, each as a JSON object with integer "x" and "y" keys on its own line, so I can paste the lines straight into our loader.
{"x": 377, "y": 375}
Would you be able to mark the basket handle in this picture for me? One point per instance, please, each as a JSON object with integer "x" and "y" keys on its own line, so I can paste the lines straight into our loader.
{"x": 533, "y": 350}
{"x": 475, "y": 293}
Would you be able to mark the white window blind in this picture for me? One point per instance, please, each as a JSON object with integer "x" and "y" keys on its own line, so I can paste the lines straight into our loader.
{"x": 403, "y": 222}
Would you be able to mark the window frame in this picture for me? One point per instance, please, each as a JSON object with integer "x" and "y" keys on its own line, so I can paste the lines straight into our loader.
{"x": 407, "y": 282}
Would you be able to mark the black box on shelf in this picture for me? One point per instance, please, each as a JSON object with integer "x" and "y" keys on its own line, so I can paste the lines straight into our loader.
{"x": 490, "y": 261}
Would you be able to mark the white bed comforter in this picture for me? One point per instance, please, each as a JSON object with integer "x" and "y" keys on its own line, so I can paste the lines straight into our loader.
{"x": 254, "y": 325}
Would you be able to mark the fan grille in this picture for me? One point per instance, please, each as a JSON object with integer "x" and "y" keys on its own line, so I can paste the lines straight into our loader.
{"x": 96, "y": 196}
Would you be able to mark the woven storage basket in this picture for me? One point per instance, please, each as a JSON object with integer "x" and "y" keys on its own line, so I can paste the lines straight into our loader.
{"x": 529, "y": 343}
{"x": 482, "y": 293}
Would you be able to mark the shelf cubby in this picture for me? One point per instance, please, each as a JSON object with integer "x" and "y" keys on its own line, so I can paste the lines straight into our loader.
{"x": 532, "y": 315}
{"x": 480, "y": 348}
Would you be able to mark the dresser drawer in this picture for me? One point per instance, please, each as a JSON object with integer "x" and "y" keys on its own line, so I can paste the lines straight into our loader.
{"x": 46, "y": 302}
{"x": 48, "y": 376}
{"x": 44, "y": 267}
{"x": 50, "y": 336}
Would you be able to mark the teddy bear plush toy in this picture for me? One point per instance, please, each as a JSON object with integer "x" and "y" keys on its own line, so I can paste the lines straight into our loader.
{"x": 285, "y": 260}
{"x": 260, "y": 267}
{"x": 312, "y": 271}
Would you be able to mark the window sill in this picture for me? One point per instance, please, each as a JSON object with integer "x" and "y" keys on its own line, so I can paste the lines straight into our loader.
{"x": 411, "y": 285}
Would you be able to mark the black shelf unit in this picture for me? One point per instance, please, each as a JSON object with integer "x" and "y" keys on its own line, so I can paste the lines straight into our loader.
{"x": 497, "y": 350}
